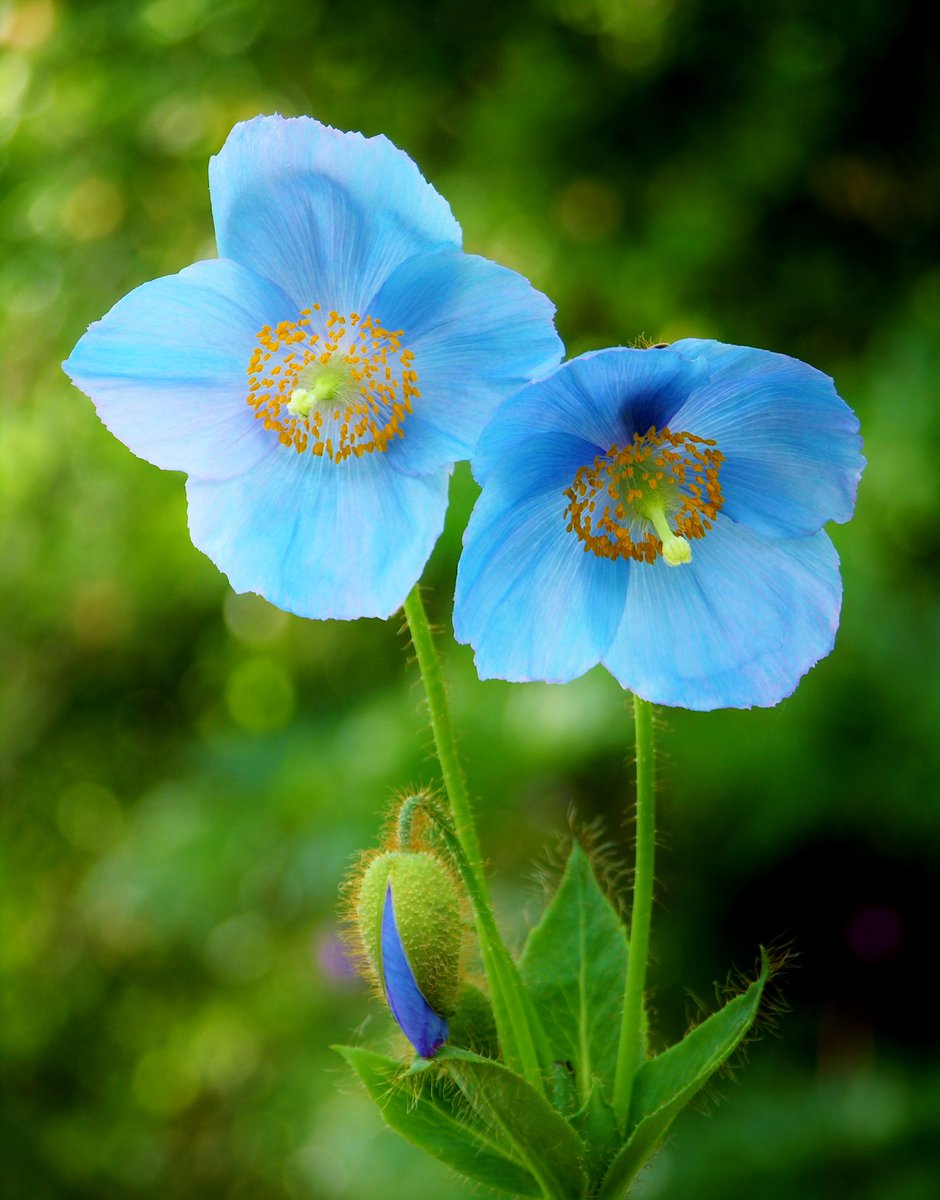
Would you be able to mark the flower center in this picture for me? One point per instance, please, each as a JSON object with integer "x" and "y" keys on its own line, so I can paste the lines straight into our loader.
{"x": 340, "y": 391}
{"x": 647, "y": 499}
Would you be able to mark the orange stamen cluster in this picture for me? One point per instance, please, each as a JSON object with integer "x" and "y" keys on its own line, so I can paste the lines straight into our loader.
{"x": 379, "y": 383}
{"x": 609, "y": 501}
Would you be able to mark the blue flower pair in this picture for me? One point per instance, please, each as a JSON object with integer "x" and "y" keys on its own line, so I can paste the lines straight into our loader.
{"x": 657, "y": 510}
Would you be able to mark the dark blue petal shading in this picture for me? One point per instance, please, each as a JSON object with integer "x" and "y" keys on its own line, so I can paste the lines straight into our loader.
{"x": 791, "y": 444}
{"x": 327, "y": 215}
{"x": 532, "y": 603}
{"x": 604, "y": 397}
{"x": 737, "y": 627}
{"x": 421, "y": 1025}
{"x": 759, "y": 602}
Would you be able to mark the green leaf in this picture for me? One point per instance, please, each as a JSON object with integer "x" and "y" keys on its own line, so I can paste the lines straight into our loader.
{"x": 597, "y": 1125}
{"x": 562, "y": 1090}
{"x": 428, "y": 1111}
{"x": 666, "y": 1083}
{"x": 540, "y": 1138}
{"x": 574, "y": 966}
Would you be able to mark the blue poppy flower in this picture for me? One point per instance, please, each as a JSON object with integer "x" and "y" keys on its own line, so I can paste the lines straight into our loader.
{"x": 318, "y": 380}
{"x": 660, "y": 511}
{"x": 422, "y": 1026}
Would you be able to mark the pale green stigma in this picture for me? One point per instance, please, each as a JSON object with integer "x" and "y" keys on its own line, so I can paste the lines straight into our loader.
{"x": 319, "y": 391}
{"x": 647, "y": 499}
{"x": 337, "y": 391}
{"x": 676, "y": 550}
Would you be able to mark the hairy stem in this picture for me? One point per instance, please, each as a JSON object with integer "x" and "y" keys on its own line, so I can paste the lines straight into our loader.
{"x": 630, "y": 1053}
{"x": 519, "y": 1034}
{"x": 433, "y": 680}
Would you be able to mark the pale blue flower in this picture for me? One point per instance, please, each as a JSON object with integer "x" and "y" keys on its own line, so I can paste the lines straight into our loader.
{"x": 661, "y": 512}
{"x": 317, "y": 381}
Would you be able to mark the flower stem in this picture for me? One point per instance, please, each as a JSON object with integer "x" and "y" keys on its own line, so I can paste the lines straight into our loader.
{"x": 454, "y": 784}
{"x": 631, "y": 1050}
{"x": 520, "y": 1036}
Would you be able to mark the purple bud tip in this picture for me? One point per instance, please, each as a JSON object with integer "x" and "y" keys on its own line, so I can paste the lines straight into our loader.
{"x": 421, "y": 1025}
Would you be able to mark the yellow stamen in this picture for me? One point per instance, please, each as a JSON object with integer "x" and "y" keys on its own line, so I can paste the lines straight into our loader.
{"x": 654, "y": 496}
{"x": 344, "y": 394}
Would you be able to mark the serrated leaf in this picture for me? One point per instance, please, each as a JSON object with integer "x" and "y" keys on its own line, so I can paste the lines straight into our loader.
{"x": 540, "y": 1138}
{"x": 665, "y": 1084}
{"x": 597, "y": 1126}
{"x": 428, "y": 1111}
{"x": 574, "y": 966}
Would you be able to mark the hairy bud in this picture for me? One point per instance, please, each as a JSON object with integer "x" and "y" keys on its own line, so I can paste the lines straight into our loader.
{"x": 407, "y": 910}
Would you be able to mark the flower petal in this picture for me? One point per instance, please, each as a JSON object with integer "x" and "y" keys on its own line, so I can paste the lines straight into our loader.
{"x": 166, "y": 367}
{"x": 604, "y": 397}
{"x": 317, "y": 539}
{"x": 327, "y": 215}
{"x": 791, "y": 444}
{"x": 736, "y": 627}
{"x": 529, "y": 600}
{"x": 421, "y": 1025}
{"x": 479, "y": 332}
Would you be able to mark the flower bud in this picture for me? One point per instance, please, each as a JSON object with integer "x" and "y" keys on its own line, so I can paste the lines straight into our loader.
{"x": 473, "y": 1026}
{"x": 408, "y": 913}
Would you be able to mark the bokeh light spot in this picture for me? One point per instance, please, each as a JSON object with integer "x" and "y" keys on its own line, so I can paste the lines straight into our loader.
{"x": 165, "y": 1081}
{"x": 252, "y": 619}
{"x": 26, "y": 26}
{"x": 101, "y": 612}
{"x": 260, "y": 695}
{"x": 240, "y": 949}
{"x": 92, "y": 209}
{"x": 89, "y": 816}
{"x": 588, "y": 210}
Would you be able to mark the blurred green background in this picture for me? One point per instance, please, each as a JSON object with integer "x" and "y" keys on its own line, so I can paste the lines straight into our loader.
{"x": 188, "y": 773}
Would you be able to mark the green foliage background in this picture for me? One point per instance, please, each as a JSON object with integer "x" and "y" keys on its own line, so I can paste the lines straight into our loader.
{"x": 188, "y": 773}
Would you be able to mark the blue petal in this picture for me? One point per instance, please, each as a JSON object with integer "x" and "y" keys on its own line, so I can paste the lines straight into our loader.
{"x": 529, "y": 600}
{"x": 167, "y": 367}
{"x": 604, "y": 397}
{"x": 479, "y": 332}
{"x": 420, "y": 1024}
{"x": 318, "y": 539}
{"x": 327, "y": 215}
{"x": 736, "y": 627}
{"x": 791, "y": 444}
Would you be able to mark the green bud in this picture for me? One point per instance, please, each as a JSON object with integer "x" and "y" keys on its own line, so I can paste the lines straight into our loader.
{"x": 427, "y": 914}
{"x": 473, "y": 1026}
